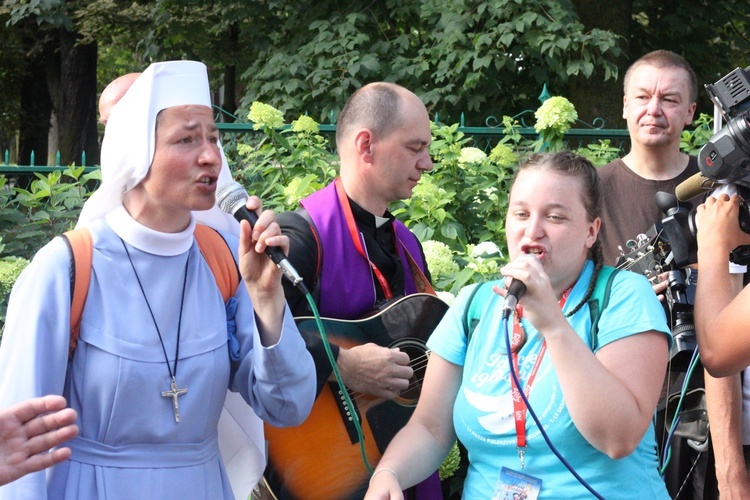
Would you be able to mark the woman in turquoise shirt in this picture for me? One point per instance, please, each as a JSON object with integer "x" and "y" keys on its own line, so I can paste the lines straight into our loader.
{"x": 594, "y": 397}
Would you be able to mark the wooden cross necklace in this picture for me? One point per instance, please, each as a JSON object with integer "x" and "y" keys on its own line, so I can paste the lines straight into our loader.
{"x": 174, "y": 392}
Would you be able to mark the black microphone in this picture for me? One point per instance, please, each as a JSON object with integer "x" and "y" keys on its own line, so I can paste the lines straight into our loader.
{"x": 231, "y": 198}
{"x": 516, "y": 290}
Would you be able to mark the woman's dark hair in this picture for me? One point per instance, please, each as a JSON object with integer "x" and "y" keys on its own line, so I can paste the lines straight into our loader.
{"x": 573, "y": 165}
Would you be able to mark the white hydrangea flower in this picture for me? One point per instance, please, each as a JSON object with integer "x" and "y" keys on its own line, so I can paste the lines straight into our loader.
{"x": 471, "y": 155}
{"x": 446, "y": 297}
{"x": 555, "y": 113}
{"x": 305, "y": 125}
{"x": 485, "y": 248}
{"x": 265, "y": 115}
{"x": 439, "y": 258}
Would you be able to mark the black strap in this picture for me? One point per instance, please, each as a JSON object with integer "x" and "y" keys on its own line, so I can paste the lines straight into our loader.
{"x": 315, "y": 288}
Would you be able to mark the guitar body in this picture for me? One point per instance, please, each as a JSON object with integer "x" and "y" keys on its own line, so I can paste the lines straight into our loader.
{"x": 322, "y": 457}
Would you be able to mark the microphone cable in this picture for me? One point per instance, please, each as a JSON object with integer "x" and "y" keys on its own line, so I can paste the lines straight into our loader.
{"x": 344, "y": 392}
{"x": 514, "y": 375}
{"x": 667, "y": 449}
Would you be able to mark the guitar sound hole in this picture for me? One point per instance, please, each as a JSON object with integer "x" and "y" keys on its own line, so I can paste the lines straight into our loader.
{"x": 418, "y": 355}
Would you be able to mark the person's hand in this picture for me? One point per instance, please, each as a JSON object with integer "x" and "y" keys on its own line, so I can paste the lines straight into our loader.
{"x": 258, "y": 271}
{"x": 384, "y": 486}
{"x": 375, "y": 370}
{"x": 718, "y": 224}
{"x": 738, "y": 489}
{"x": 540, "y": 305}
{"x": 29, "y": 429}
{"x": 659, "y": 284}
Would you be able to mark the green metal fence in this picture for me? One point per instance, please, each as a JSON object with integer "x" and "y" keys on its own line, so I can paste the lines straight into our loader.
{"x": 484, "y": 138}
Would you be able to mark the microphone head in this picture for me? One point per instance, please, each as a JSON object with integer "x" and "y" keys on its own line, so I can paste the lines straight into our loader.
{"x": 695, "y": 185}
{"x": 230, "y": 196}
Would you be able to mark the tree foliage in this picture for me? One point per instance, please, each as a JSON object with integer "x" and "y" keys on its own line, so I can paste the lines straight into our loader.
{"x": 479, "y": 58}
{"x": 62, "y": 69}
{"x": 470, "y": 57}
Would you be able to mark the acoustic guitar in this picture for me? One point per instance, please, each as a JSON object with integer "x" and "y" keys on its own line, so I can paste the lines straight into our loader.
{"x": 322, "y": 457}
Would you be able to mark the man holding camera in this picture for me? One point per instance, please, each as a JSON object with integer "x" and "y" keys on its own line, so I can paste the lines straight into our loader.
{"x": 659, "y": 101}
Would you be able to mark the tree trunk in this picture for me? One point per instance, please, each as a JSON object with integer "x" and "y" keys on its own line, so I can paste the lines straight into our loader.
{"x": 228, "y": 100}
{"x": 230, "y": 89}
{"x": 76, "y": 113}
{"x": 594, "y": 97}
{"x": 36, "y": 109}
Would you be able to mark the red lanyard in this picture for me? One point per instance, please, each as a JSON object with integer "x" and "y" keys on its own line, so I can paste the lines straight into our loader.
{"x": 354, "y": 233}
{"x": 519, "y": 407}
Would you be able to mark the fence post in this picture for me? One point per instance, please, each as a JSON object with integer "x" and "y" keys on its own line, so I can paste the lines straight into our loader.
{"x": 544, "y": 95}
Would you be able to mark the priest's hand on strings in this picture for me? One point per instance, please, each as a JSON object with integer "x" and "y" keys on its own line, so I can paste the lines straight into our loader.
{"x": 376, "y": 370}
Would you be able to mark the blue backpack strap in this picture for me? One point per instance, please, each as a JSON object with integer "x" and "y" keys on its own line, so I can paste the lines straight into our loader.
{"x": 599, "y": 301}
{"x": 474, "y": 307}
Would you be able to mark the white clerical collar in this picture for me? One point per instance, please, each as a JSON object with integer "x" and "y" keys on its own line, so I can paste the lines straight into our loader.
{"x": 380, "y": 221}
{"x": 143, "y": 238}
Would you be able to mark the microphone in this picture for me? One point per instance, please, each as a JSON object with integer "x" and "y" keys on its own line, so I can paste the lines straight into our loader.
{"x": 693, "y": 186}
{"x": 231, "y": 198}
{"x": 516, "y": 290}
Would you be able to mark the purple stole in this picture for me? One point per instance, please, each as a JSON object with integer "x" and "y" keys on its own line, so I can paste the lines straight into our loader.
{"x": 347, "y": 288}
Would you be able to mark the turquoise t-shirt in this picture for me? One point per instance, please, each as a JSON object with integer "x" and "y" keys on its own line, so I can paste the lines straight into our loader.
{"x": 483, "y": 411}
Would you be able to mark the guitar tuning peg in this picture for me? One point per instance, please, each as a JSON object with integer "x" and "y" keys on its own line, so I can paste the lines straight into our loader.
{"x": 631, "y": 244}
{"x": 622, "y": 252}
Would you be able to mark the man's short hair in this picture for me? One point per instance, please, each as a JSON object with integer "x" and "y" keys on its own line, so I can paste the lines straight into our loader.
{"x": 666, "y": 59}
{"x": 375, "y": 106}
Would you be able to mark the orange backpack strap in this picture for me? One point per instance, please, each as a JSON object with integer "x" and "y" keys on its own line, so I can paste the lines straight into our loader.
{"x": 82, "y": 253}
{"x": 219, "y": 258}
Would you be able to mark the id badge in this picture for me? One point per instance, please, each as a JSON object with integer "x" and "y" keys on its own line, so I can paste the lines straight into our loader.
{"x": 514, "y": 485}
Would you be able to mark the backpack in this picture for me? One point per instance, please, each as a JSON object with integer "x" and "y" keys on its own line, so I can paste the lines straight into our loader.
{"x": 597, "y": 303}
{"x": 212, "y": 245}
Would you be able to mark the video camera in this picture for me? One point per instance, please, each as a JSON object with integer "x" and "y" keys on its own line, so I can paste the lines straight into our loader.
{"x": 724, "y": 159}
{"x": 726, "y": 156}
